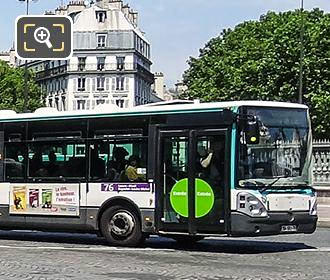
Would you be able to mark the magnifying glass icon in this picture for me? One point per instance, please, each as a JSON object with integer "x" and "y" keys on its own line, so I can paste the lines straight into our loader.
{"x": 42, "y": 35}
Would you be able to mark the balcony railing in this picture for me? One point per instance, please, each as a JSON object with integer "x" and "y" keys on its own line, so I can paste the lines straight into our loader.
{"x": 91, "y": 67}
{"x": 72, "y": 67}
{"x": 59, "y": 70}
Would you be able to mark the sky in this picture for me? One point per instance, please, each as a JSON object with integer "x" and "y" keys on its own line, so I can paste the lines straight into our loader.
{"x": 176, "y": 29}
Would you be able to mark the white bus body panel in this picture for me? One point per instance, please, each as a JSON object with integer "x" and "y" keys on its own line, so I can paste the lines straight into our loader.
{"x": 4, "y": 193}
{"x": 277, "y": 202}
{"x": 288, "y": 202}
{"x": 141, "y": 193}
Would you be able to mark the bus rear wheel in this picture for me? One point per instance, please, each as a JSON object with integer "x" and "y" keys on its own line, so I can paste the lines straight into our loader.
{"x": 121, "y": 226}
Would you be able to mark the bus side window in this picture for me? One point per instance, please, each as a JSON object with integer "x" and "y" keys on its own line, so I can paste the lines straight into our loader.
{"x": 97, "y": 162}
{"x": 57, "y": 160}
{"x": 118, "y": 162}
{"x": 14, "y": 161}
{"x": 109, "y": 160}
{"x": 75, "y": 160}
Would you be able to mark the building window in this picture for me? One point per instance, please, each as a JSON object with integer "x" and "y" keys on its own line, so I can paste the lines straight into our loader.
{"x": 100, "y": 63}
{"x": 64, "y": 84}
{"x": 81, "y": 84}
{"x": 57, "y": 105}
{"x": 63, "y": 103}
{"x": 120, "y": 103}
{"x": 101, "y": 16}
{"x": 120, "y": 62}
{"x": 101, "y": 40}
{"x": 142, "y": 47}
{"x": 46, "y": 65}
{"x": 81, "y": 104}
{"x": 81, "y": 63}
{"x": 100, "y": 83}
{"x": 57, "y": 85}
{"x": 100, "y": 101}
{"x": 120, "y": 83}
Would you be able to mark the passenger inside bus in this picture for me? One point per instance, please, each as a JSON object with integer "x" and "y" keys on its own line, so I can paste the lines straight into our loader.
{"x": 36, "y": 166}
{"x": 97, "y": 164}
{"x": 52, "y": 167}
{"x": 211, "y": 163}
{"x": 118, "y": 164}
{"x": 131, "y": 171}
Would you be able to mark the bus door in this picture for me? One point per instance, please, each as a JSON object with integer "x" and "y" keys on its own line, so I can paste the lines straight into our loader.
{"x": 191, "y": 187}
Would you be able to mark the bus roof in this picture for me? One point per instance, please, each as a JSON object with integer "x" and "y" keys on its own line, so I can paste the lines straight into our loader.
{"x": 172, "y": 107}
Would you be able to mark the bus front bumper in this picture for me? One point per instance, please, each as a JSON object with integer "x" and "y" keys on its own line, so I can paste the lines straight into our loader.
{"x": 275, "y": 223}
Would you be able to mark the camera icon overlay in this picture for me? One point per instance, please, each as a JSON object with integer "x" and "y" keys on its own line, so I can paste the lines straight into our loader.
{"x": 43, "y": 37}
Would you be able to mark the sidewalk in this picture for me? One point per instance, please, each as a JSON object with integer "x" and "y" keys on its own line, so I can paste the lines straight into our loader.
{"x": 324, "y": 215}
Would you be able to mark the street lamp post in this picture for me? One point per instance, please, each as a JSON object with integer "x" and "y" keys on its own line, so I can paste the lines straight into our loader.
{"x": 301, "y": 52}
{"x": 25, "y": 103}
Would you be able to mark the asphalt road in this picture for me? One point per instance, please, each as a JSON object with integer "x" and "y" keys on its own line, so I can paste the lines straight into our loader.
{"x": 58, "y": 256}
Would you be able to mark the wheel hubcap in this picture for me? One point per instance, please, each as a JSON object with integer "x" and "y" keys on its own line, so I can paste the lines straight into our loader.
{"x": 122, "y": 224}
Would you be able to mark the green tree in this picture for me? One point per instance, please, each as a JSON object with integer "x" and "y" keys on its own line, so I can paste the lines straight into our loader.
{"x": 259, "y": 60}
{"x": 12, "y": 89}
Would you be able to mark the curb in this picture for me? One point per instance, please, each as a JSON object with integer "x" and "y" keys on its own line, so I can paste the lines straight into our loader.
{"x": 324, "y": 223}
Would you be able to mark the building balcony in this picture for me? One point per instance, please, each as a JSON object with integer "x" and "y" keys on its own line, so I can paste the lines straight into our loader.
{"x": 85, "y": 90}
{"x": 53, "y": 72}
{"x": 112, "y": 67}
{"x": 76, "y": 68}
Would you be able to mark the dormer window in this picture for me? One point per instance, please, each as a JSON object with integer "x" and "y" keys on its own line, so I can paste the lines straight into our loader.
{"x": 101, "y": 16}
{"x": 101, "y": 40}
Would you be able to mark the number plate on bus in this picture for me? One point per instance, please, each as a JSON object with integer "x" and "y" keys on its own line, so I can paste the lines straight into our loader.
{"x": 289, "y": 228}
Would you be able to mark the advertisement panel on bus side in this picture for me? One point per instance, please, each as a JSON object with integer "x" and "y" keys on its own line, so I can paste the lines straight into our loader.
{"x": 44, "y": 199}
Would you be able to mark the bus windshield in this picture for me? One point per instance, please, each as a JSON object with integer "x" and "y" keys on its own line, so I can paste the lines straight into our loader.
{"x": 284, "y": 153}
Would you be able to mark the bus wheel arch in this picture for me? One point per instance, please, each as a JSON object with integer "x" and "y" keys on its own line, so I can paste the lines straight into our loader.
{"x": 119, "y": 221}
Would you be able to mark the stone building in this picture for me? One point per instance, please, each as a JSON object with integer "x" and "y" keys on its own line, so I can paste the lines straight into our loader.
{"x": 9, "y": 57}
{"x": 110, "y": 62}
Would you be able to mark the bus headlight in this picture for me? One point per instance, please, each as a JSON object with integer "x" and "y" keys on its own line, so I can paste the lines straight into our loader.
{"x": 249, "y": 204}
{"x": 313, "y": 206}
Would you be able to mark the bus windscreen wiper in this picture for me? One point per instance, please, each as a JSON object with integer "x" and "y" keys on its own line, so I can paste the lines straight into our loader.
{"x": 256, "y": 183}
{"x": 276, "y": 180}
{"x": 253, "y": 183}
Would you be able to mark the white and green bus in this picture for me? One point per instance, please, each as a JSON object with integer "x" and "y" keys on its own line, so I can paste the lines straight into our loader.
{"x": 180, "y": 170}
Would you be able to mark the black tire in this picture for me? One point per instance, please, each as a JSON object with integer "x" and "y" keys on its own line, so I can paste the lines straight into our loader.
{"x": 121, "y": 226}
{"x": 187, "y": 239}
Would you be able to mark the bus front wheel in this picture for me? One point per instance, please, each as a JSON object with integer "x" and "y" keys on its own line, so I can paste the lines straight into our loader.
{"x": 121, "y": 226}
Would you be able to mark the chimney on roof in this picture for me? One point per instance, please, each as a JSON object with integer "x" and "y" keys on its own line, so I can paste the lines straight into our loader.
{"x": 116, "y": 3}
{"x": 133, "y": 17}
{"x": 75, "y": 6}
{"x": 101, "y": 3}
{"x": 125, "y": 10}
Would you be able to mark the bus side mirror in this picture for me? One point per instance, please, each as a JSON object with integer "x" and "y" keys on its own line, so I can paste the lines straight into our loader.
{"x": 252, "y": 132}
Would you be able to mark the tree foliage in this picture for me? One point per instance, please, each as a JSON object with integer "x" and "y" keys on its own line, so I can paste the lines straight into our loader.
{"x": 12, "y": 89}
{"x": 259, "y": 60}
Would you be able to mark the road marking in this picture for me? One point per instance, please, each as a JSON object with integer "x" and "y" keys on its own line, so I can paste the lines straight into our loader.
{"x": 323, "y": 206}
{"x": 321, "y": 249}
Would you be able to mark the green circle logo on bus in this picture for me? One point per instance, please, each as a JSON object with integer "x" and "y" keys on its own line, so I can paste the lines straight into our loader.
{"x": 204, "y": 198}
